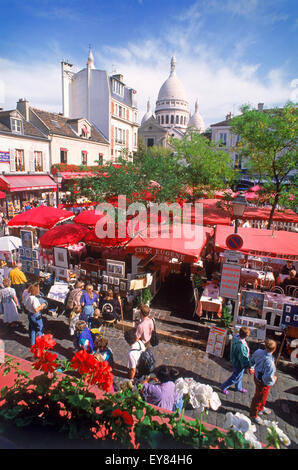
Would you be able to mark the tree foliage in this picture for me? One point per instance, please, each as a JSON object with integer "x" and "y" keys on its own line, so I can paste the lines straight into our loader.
{"x": 269, "y": 142}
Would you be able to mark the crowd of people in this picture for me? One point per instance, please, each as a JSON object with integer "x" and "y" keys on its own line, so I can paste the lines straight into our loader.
{"x": 87, "y": 311}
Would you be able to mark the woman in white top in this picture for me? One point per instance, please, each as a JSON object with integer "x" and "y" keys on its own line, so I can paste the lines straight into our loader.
{"x": 9, "y": 303}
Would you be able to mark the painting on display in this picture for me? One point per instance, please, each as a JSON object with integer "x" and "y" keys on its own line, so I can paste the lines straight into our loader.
{"x": 290, "y": 316}
{"x": 252, "y": 303}
{"x": 27, "y": 239}
{"x": 257, "y": 326}
{"x": 61, "y": 257}
{"x": 115, "y": 268}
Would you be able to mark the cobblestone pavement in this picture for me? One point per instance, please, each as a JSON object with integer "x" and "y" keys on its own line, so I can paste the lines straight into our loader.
{"x": 191, "y": 362}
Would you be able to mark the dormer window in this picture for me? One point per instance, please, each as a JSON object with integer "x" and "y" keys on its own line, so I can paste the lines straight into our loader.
{"x": 85, "y": 132}
{"x": 118, "y": 88}
{"x": 16, "y": 126}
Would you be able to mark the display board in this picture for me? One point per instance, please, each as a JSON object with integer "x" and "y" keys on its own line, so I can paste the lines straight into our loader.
{"x": 230, "y": 278}
{"x": 257, "y": 327}
{"x": 58, "y": 292}
{"x": 290, "y": 316}
{"x": 252, "y": 303}
{"x": 216, "y": 341}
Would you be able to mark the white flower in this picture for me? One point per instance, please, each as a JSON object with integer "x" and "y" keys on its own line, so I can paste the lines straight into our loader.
{"x": 241, "y": 423}
{"x": 183, "y": 386}
{"x": 215, "y": 401}
{"x": 273, "y": 425}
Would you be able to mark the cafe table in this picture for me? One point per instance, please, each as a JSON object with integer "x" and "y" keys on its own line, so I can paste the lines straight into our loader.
{"x": 210, "y": 301}
{"x": 273, "y": 308}
{"x": 257, "y": 278}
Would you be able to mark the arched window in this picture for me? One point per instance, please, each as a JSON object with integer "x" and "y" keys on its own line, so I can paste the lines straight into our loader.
{"x": 162, "y": 119}
{"x": 181, "y": 119}
{"x": 172, "y": 118}
{"x": 158, "y": 119}
{"x": 177, "y": 119}
{"x": 184, "y": 120}
{"x": 167, "y": 119}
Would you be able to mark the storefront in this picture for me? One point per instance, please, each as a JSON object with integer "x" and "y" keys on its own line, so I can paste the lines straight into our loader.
{"x": 24, "y": 188}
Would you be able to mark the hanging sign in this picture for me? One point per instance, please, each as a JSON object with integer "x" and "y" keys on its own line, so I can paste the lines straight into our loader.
{"x": 4, "y": 157}
{"x": 229, "y": 283}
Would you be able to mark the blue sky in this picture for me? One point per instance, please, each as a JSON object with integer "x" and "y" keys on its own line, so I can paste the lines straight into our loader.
{"x": 228, "y": 52}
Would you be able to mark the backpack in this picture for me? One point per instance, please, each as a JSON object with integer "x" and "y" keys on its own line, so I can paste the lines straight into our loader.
{"x": 154, "y": 340}
{"x": 146, "y": 363}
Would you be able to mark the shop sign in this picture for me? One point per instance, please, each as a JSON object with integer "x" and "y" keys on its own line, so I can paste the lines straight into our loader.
{"x": 232, "y": 257}
{"x": 216, "y": 341}
{"x": 229, "y": 284}
{"x": 167, "y": 254}
{"x": 4, "y": 156}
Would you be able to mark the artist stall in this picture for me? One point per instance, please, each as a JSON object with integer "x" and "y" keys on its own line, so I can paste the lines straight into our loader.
{"x": 30, "y": 225}
{"x": 259, "y": 258}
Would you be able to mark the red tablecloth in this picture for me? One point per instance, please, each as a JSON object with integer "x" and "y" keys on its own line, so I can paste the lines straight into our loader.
{"x": 210, "y": 301}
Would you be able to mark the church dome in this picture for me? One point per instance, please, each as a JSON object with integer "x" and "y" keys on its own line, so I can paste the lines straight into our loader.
{"x": 172, "y": 88}
{"x": 196, "y": 119}
{"x": 148, "y": 114}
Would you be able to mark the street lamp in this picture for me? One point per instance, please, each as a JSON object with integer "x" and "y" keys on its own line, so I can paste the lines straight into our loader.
{"x": 239, "y": 204}
{"x": 58, "y": 180}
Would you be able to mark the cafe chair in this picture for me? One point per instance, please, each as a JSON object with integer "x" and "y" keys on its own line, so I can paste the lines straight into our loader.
{"x": 290, "y": 290}
{"x": 277, "y": 289}
{"x": 107, "y": 324}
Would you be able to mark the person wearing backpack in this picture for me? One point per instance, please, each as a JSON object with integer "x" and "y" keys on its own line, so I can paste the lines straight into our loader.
{"x": 140, "y": 360}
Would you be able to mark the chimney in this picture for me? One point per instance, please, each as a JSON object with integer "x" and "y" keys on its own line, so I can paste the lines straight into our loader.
{"x": 260, "y": 106}
{"x": 119, "y": 77}
{"x": 229, "y": 116}
{"x": 23, "y": 107}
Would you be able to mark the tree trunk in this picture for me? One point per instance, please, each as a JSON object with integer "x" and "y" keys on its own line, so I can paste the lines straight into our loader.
{"x": 276, "y": 198}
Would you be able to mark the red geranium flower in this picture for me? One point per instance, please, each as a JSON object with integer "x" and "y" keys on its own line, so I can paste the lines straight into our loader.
{"x": 42, "y": 343}
{"x": 102, "y": 376}
{"x": 83, "y": 362}
{"x": 47, "y": 362}
{"x": 127, "y": 418}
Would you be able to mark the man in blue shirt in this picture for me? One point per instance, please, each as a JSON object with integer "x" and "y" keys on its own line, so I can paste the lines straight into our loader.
{"x": 263, "y": 367}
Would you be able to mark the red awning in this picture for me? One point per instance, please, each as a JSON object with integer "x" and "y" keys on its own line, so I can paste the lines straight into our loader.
{"x": 40, "y": 217}
{"x": 63, "y": 235}
{"x": 2, "y": 195}
{"x": 13, "y": 183}
{"x": 69, "y": 175}
{"x": 92, "y": 240}
{"x": 187, "y": 247}
{"x": 268, "y": 243}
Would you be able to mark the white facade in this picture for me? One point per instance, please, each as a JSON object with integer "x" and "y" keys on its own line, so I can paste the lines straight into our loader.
{"x": 105, "y": 101}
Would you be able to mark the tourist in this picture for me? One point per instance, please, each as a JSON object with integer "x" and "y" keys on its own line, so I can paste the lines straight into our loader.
{"x": 292, "y": 280}
{"x": 239, "y": 355}
{"x": 74, "y": 318}
{"x": 287, "y": 267}
{"x": 88, "y": 302}
{"x": 83, "y": 337}
{"x": 146, "y": 326}
{"x": 199, "y": 281}
{"x": 102, "y": 349}
{"x": 34, "y": 305}
{"x": 110, "y": 307}
{"x": 74, "y": 298}
{"x": 162, "y": 393}
{"x": 9, "y": 303}
{"x": 263, "y": 367}
{"x": 18, "y": 281}
{"x": 134, "y": 353}
{"x": 95, "y": 322}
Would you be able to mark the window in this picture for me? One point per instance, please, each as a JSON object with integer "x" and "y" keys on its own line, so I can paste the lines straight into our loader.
{"x": 135, "y": 139}
{"x": 100, "y": 158}
{"x": 19, "y": 160}
{"x": 84, "y": 157}
{"x": 167, "y": 119}
{"x": 63, "y": 156}
{"x": 121, "y": 111}
{"x": 181, "y": 119}
{"x": 162, "y": 119}
{"x": 16, "y": 126}
{"x": 237, "y": 162}
{"x": 119, "y": 136}
{"x": 158, "y": 119}
{"x": 223, "y": 138}
{"x": 177, "y": 119}
{"x": 38, "y": 161}
{"x": 118, "y": 88}
{"x": 172, "y": 118}
{"x": 150, "y": 142}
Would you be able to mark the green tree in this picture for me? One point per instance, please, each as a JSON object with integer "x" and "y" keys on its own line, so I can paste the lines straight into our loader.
{"x": 206, "y": 166}
{"x": 269, "y": 142}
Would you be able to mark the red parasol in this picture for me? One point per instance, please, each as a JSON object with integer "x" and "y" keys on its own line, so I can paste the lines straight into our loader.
{"x": 41, "y": 217}
{"x": 63, "y": 235}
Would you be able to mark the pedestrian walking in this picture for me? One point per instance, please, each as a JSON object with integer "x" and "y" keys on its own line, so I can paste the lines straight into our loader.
{"x": 263, "y": 367}
{"x": 74, "y": 298}
{"x": 9, "y": 304}
{"x": 34, "y": 305}
{"x": 239, "y": 356}
{"x": 146, "y": 326}
{"x": 134, "y": 353}
{"x": 18, "y": 281}
{"x": 88, "y": 301}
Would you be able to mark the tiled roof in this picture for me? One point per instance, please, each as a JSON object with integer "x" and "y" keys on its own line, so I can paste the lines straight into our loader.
{"x": 227, "y": 122}
{"x": 60, "y": 125}
{"x": 29, "y": 129}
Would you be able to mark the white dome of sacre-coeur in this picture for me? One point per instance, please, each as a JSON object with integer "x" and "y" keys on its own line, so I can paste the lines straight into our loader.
{"x": 148, "y": 114}
{"x": 196, "y": 120}
{"x": 172, "y": 87}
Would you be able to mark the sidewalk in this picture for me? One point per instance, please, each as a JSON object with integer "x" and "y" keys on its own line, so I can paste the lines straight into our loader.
{"x": 191, "y": 362}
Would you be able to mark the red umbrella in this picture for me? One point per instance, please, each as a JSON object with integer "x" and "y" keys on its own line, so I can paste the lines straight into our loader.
{"x": 93, "y": 240}
{"x": 40, "y": 217}
{"x": 63, "y": 235}
{"x": 2, "y": 195}
{"x": 89, "y": 217}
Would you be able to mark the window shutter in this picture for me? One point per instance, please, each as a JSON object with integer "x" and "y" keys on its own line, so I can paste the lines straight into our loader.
{"x": 31, "y": 161}
{"x": 45, "y": 165}
{"x": 12, "y": 160}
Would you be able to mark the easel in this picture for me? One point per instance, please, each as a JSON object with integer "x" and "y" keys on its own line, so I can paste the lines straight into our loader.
{"x": 291, "y": 332}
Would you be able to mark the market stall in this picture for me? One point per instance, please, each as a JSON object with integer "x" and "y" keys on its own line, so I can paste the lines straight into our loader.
{"x": 258, "y": 301}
